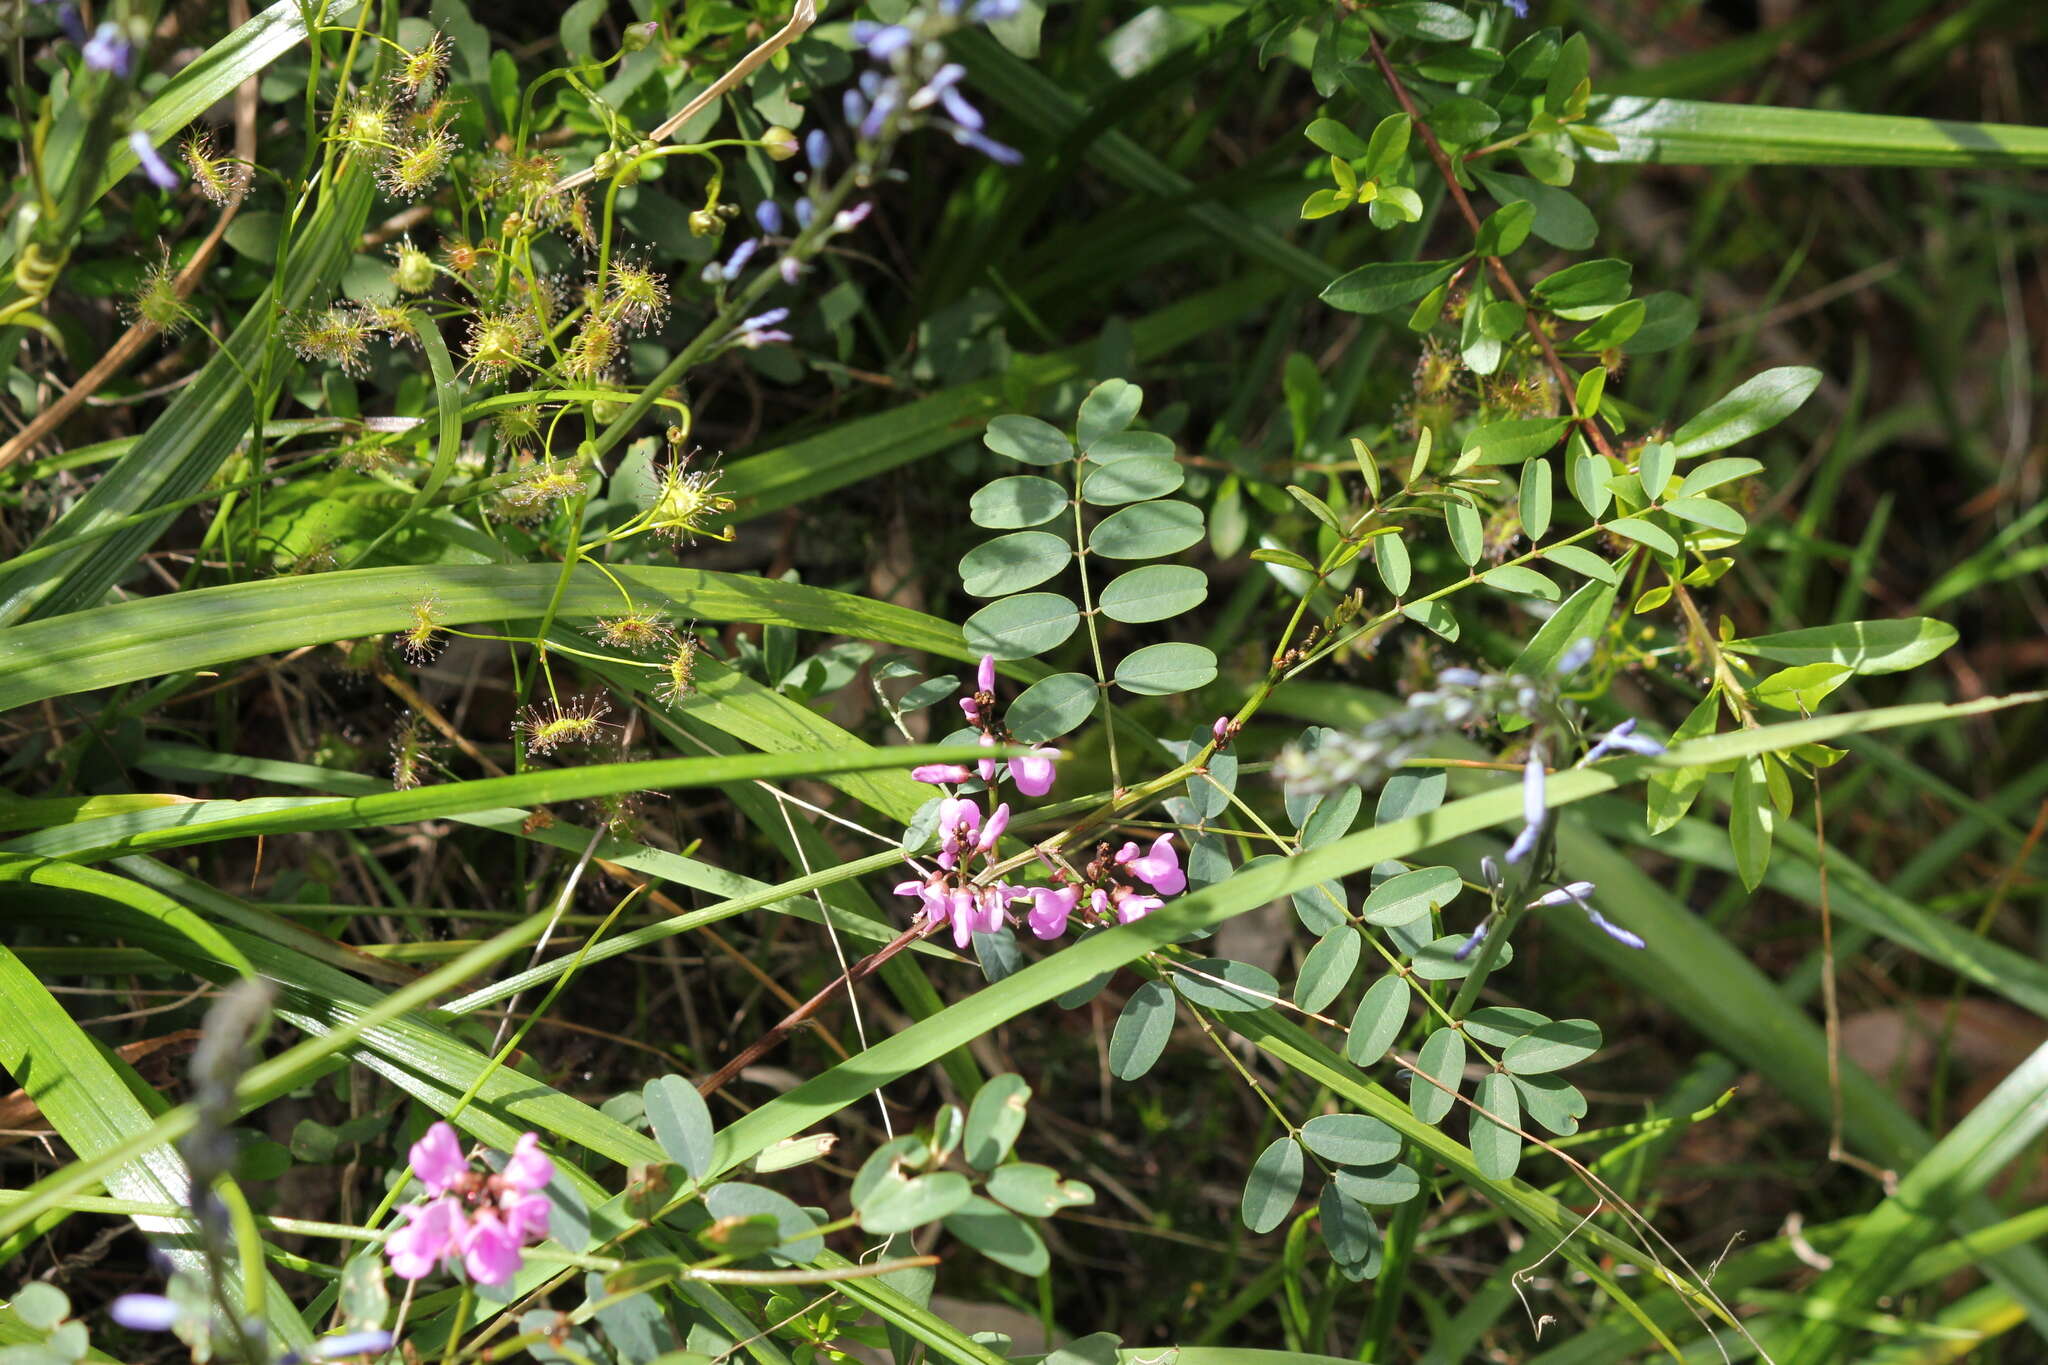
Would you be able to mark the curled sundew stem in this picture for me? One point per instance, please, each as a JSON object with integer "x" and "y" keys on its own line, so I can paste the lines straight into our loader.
{"x": 602, "y": 568}
{"x": 618, "y": 182}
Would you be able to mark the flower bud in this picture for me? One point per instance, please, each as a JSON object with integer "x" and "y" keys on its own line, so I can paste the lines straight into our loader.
{"x": 779, "y": 143}
{"x": 706, "y": 223}
{"x": 414, "y": 273}
{"x": 606, "y": 163}
{"x": 640, "y": 36}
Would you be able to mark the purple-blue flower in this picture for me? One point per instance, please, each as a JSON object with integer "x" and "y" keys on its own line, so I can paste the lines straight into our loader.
{"x": 817, "y": 148}
{"x": 760, "y": 330}
{"x": 144, "y": 1312}
{"x": 107, "y": 50}
{"x": 768, "y": 214}
{"x": 1623, "y": 736}
{"x": 160, "y": 172}
{"x": 882, "y": 41}
{"x": 1533, "y": 809}
{"x": 1519, "y": 7}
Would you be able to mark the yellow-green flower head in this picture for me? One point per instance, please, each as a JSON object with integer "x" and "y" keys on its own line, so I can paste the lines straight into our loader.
{"x": 368, "y": 122}
{"x": 412, "y": 269}
{"x": 417, "y": 166}
{"x": 593, "y": 352}
{"x": 684, "y": 500}
{"x": 157, "y": 301}
{"x": 636, "y": 294}
{"x": 421, "y": 70}
{"x": 499, "y": 341}
{"x": 221, "y": 179}
{"x": 338, "y": 336}
{"x": 681, "y": 669}
{"x": 518, "y": 428}
{"x": 638, "y": 631}
{"x": 547, "y": 726}
{"x": 421, "y": 641}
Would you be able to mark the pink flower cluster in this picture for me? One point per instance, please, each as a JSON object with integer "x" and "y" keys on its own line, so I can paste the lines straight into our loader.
{"x": 1119, "y": 886}
{"x": 1032, "y": 772}
{"x": 485, "y": 1219}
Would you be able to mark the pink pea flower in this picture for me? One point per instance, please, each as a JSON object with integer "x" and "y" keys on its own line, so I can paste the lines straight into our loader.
{"x": 965, "y": 917}
{"x": 1159, "y": 869}
{"x": 1033, "y": 772}
{"x": 1132, "y": 906}
{"x": 998, "y": 821}
{"x": 432, "y": 1231}
{"x": 529, "y": 1168}
{"x": 985, "y": 675}
{"x": 490, "y": 1249}
{"x": 438, "y": 1160}
{"x": 1050, "y": 908}
{"x": 940, "y": 774}
{"x": 987, "y": 765}
{"x": 526, "y": 1215}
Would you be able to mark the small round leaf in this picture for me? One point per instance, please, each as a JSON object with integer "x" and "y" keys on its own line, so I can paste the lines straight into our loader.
{"x": 1141, "y": 1031}
{"x": 1029, "y": 440}
{"x": 1388, "y": 1183}
{"x": 1020, "y": 500}
{"x": 1440, "y": 1071}
{"x": 1225, "y": 985}
{"x": 1012, "y": 563}
{"x": 1496, "y": 1147}
{"x": 1147, "y": 530}
{"x": 1132, "y": 480}
{"x": 1552, "y": 1047}
{"x": 995, "y": 1119}
{"x": 1154, "y": 593}
{"x": 1000, "y": 1235}
{"x": 1380, "y": 1018}
{"x": 1052, "y": 706}
{"x": 1412, "y": 895}
{"x": 900, "y": 1205}
{"x": 1163, "y": 669}
{"x": 1273, "y": 1185}
{"x": 1022, "y": 626}
{"x": 1036, "y": 1191}
{"x": 1328, "y": 968}
{"x": 1351, "y": 1139}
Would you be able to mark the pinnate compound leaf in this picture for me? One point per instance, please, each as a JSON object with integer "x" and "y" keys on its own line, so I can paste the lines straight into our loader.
{"x": 1147, "y": 530}
{"x": 1496, "y": 1146}
{"x": 1225, "y": 985}
{"x": 1022, "y": 626}
{"x": 1552, "y": 1046}
{"x": 682, "y": 1122}
{"x": 1028, "y": 439}
{"x": 1864, "y": 646}
{"x": 1132, "y": 480}
{"x": 1052, "y": 706}
{"x": 1351, "y": 1139}
{"x": 1380, "y": 1018}
{"x": 1328, "y": 968}
{"x": 1017, "y": 501}
{"x": 1109, "y": 407}
{"x": 1011, "y": 563}
{"x": 1000, "y": 1235}
{"x": 1273, "y": 1185}
{"x": 1155, "y": 592}
{"x": 1757, "y": 405}
{"x": 1440, "y": 1070}
{"x": 1036, "y": 1191}
{"x": 1142, "y": 1031}
{"x": 1164, "y": 669}
{"x": 994, "y": 1120}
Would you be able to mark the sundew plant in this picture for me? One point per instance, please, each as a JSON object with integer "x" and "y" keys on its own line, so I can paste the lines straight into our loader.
{"x": 979, "y": 681}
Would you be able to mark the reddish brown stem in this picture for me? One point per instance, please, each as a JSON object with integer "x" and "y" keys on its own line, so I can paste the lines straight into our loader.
{"x": 859, "y": 971}
{"x": 1567, "y": 382}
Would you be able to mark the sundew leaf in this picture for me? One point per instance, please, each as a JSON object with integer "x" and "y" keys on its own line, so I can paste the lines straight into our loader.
{"x": 1109, "y": 407}
{"x": 1866, "y": 647}
{"x": 1147, "y": 530}
{"x": 1164, "y": 669}
{"x": 1028, "y": 439}
{"x": 1017, "y": 501}
{"x": 1328, "y": 968}
{"x": 1755, "y": 406}
{"x": 1411, "y": 896}
{"x": 1440, "y": 1071}
{"x": 1272, "y": 1186}
{"x": 1552, "y": 1046}
{"x": 1351, "y": 1139}
{"x": 1141, "y": 1032}
{"x": 682, "y": 1123}
{"x": 1021, "y": 627}
{"x": 1387, "y": 285}
{"x": 1132, "y": 480}
{"x": 1011, "y": 563}
{"x": 1225, "y": 985}
{"x": 1052, "y": 706}
{"x": 1155, "y": 592}
{"x": 1496, "y": 1146}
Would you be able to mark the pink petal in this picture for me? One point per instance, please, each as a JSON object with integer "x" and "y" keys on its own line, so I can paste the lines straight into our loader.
{"x": 490, "y": 1250}
{"x": 437, "y": 1158}
{"x": 529, "y": 1169}
{"x": 985, "y": 676}
{"x": 527, "y": 1216}
{"x": 1050, "y": 909}
{"x": 1033, "y": 773}
{"x": 432, "y": 1230}
{"x": 940, "y": 774}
